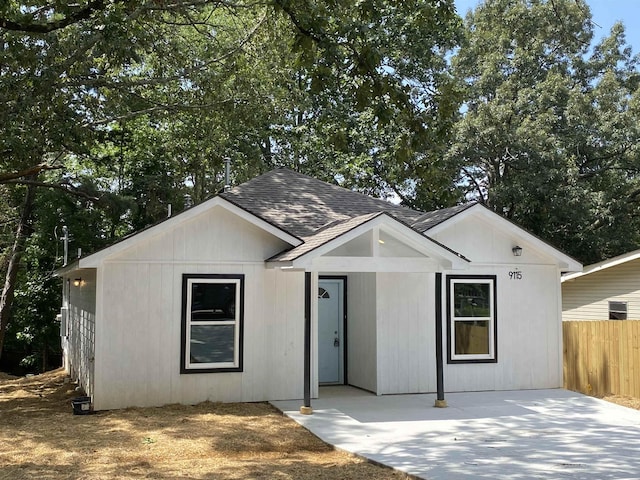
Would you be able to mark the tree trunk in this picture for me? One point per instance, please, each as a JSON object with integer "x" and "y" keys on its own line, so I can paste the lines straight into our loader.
{"x": 22, "y": 233}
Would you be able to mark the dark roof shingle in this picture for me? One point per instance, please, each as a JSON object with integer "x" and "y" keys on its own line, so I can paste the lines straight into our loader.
{"x": 301, "y": 205}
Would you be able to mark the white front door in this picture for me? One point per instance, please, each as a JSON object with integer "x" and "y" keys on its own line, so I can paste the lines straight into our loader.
{"x": 331, "y": 330}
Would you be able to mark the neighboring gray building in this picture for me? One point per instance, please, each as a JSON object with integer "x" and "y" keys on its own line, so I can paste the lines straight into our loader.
{"x": 608, "y": 290}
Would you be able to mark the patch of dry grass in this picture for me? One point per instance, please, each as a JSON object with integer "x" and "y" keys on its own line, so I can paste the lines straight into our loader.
{"x": 41, "y": 438}
{"x": 625, "y": 401}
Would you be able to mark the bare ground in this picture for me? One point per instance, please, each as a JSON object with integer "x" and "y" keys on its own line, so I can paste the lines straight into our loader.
{"x": 625, "y": 401}
{"x": 41, "y": 438}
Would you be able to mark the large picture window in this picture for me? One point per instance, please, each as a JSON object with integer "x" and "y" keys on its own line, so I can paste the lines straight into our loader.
{"x": 471, "y": 313}
{"x": 212, "y": 323}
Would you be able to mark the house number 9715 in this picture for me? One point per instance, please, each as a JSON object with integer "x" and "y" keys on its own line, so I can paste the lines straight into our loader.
{"x": 516, "y": 275}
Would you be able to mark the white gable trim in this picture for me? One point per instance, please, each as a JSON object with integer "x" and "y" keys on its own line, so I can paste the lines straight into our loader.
{"x": 444, "y": 258}
{"x": 611, "y": 262}
{"x": 97, "y": 258}
{"x": 524, "y": 238}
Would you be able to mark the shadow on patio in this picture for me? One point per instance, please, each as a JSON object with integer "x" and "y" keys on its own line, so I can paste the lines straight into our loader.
{"x": 508, "y": 435}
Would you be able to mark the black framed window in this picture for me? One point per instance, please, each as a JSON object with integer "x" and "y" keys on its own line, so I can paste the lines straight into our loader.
{"x": 471, "y": 319}
{"x": 212, "y": 323}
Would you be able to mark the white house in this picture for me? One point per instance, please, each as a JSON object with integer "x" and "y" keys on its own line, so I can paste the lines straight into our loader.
{"x": 608, "y": 290}
{"x": 286, "y": 283}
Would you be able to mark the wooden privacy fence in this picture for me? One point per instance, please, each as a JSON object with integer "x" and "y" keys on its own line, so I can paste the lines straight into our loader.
{"x": 602, "y": 357}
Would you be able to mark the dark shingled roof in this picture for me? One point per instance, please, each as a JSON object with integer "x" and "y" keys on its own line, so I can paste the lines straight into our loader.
{"x": 302, "y": 205}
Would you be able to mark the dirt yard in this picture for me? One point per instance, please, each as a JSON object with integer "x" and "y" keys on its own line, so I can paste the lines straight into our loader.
{"x": 41, "y": 438}
{"x": 630, "y": 402}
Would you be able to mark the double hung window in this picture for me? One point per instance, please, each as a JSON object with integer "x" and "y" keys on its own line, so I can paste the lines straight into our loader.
{"x": 212, "y": 323}
{"x": 471, "y": 311}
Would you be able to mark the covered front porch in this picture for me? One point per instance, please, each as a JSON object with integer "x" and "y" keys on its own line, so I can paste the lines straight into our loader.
{"x": 373, "y": 304}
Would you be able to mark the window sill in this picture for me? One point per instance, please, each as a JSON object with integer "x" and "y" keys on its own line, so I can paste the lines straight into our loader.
{"x": 472, "y": 360}
{"x": 188, "y": 371}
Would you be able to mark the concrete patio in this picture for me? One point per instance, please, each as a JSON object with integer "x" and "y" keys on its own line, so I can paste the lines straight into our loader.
{"x": 546, "y": 434}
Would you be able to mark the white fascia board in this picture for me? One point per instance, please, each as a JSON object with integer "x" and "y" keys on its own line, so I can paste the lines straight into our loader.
{"x": 528, "y": 240}
{"x": 94, "y": 260}
{"x": 611, "y": 262}
{"x": 72, "y": 268}
{"x": 419, "y": 242}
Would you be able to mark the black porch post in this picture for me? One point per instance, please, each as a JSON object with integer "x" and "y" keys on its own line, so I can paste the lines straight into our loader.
{"x": 440, "y": 401}
{"x": 306, "y": 408}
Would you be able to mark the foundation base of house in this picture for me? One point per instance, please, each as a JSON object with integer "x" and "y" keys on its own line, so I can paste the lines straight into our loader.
{"x": 441, "y": 404}
{"x": 306, "y": 410}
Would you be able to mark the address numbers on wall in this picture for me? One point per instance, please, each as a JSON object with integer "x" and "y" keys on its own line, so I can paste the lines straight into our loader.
{"x": 515, "y": 275}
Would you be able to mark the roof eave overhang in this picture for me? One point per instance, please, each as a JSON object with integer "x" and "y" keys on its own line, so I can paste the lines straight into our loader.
{"x": 71, "y": 267}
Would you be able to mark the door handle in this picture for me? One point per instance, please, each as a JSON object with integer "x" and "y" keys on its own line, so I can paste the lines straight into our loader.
{"x": 336, "y": 342}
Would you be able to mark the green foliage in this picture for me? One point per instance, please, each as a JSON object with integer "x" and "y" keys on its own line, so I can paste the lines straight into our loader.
{"x": 32, "y": 333}
{"x": 550, "y": 129}
{"x": 128, "y": 106}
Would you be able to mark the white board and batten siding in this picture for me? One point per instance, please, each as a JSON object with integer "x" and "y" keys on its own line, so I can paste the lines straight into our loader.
{"x": 79, "y": 344}
{"x": 587, "y": 297}
{"x": 529, "y": 336}
{"x": 391, "y": 332}
{"x": 391, "y": 316}
{"x": 529, "y": 343}
{"x": 362, "y": 335}
{"x": 406, "y": 333}
{"x": 138, "y": 336}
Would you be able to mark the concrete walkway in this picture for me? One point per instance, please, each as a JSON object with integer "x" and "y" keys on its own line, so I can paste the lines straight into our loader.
{"x": 544, "y": 434}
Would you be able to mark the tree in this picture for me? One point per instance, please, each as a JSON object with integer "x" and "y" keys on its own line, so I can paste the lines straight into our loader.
{"x": 116, "y": 102}
{"x": 549, "y": 131}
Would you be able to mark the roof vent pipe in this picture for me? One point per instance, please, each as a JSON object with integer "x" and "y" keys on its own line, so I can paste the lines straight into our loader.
{"x": 169, "y": 211}
{"x": 227, "y": 174}
{"x": 188, "y": 202}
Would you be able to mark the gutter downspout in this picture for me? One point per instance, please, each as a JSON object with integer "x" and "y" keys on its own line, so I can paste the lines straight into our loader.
{"x": 440, "y": 401}
{"x": 306, "y": 408}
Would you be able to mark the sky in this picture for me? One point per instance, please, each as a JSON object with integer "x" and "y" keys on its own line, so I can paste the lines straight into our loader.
{"x": 604, "y": 14}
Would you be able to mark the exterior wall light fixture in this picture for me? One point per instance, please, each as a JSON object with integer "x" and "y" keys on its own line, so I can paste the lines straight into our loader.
{"x": 517, "y": 251}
